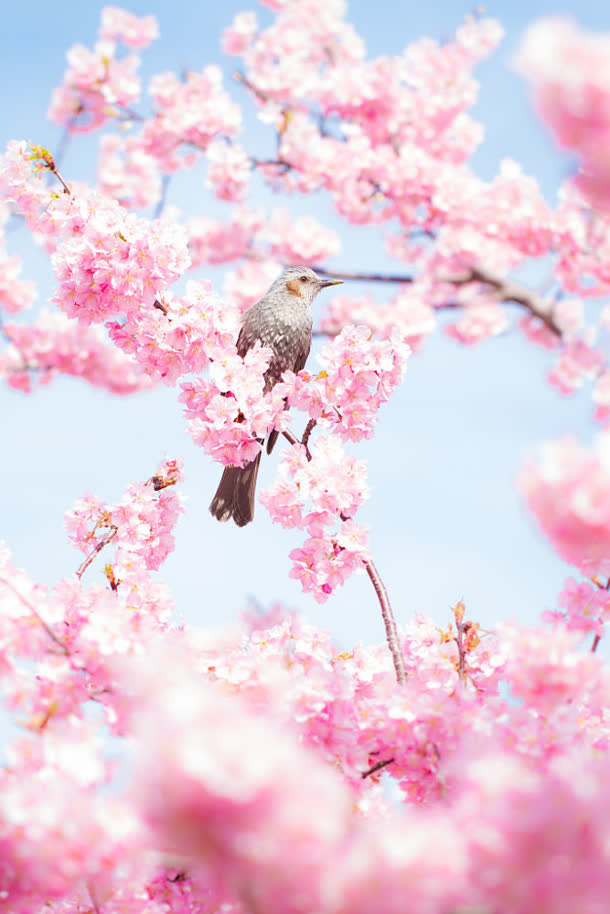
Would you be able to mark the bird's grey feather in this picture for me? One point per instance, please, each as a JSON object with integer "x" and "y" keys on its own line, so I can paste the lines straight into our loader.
{"x": 282, "y": 321}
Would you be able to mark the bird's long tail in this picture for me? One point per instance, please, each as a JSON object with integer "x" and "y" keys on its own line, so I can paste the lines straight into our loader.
{"x": 235, "y": 493}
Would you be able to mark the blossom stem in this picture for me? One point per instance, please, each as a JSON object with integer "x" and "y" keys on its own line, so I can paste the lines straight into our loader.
{"x": 376, "y": 767}
{"x": 61, "y": 180}
{"x": 96, "y": 550}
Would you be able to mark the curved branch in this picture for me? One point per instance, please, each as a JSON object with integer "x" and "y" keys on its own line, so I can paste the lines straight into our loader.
{"x": 389, "y": 622}
{"x": 506, "y": 289}
{"x": 509, "y": 291}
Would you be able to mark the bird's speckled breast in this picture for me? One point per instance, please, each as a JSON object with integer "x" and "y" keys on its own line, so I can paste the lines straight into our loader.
{"x": 284, "y": 323}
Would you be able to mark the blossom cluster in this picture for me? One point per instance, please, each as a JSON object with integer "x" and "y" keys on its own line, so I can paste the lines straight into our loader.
{"x": 570, "y": 78}
{"x": 230, "y": 415}
{"x": 98, "y": 82}
{"x": 127, "y": 173}
{"x": 584, "y": 606}
{"x": 358, "y": 375}
{"x": 143, "y": 521}
{"x": 53, "y": 344}
{"x": 319, "y": 495}
{"x": 193, "y": 112}
{"x": 567, "y": 488}
{"x": 487, "y": 806}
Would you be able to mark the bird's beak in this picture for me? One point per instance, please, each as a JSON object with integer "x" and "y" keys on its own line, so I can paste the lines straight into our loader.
{"x": 331, "y": 282}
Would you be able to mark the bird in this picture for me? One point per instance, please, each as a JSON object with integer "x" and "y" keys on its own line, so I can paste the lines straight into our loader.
{"x": 282, "y": 321}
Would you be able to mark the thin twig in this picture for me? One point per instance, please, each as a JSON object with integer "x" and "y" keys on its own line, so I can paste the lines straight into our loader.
{"x": 388, "y": 621}
{"x": 382, "y": 596}
{"x": 306, "y": 436}
{"x": 54, "y": 171}
{"x": 37, "y": 616}
{"x": 595, "y": 644}
{"x": 96, "y": 550}
{"x": 365, "y": 277}
{"x": 376, "y": 767}
{"x": 459, "y": 640}
{"x": 240, "y": 78}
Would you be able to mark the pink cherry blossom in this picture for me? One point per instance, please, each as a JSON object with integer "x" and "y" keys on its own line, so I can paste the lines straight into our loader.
{"x": 358, "y": 375}
{"x": 237, "y": 37}
{"x": 55, "y": 344}
{"x": 568, "y": 490}
{"x": 134, "y": 31}
{"x": 193, "y": 111}
{"x": 152, "y": 767}
{"x": 128, "y": 174}
{"x": 583, "y": 607}
{"x": 95, "y": 84}
{"x": 570, "y": 76}
{"x": 229, "y": 171}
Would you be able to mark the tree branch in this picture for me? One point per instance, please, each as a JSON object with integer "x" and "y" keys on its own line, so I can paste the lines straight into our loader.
{"x": 365, "y": 277}
{"x": 506, "y": 289}
{"x": 389, "y": 622}
{"x": 509, "y": 291}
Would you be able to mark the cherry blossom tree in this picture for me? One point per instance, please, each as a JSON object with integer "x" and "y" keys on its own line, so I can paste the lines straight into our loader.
{"x": 161, "y": 768}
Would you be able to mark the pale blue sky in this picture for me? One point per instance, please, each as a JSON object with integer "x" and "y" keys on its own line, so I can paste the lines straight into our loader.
{"x": 445, "y": 520}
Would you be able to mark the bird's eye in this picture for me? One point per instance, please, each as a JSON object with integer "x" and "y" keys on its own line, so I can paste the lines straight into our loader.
{"x": 302, "y": 278}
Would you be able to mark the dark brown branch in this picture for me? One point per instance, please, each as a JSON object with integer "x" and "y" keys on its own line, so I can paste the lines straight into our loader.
{"x": 382, "y": 596}
{"x": 365, "y": 277}
{"x": 509, "y": 291}
{"x": 306, "y": 436}
{"x": 595, "y": 644}
{"x": 290, "y": 437}
{"x": 96, "y": 550}
{"x": 376, "y": 767}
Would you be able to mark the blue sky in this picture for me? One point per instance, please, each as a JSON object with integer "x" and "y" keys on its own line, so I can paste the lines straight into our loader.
{"x": 446, "y": 522}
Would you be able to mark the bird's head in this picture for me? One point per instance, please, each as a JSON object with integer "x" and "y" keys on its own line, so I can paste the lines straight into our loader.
{"x": 302, "y": 282}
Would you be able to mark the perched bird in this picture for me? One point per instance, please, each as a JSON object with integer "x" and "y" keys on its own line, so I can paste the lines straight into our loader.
{"x": 282, "y": 321}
